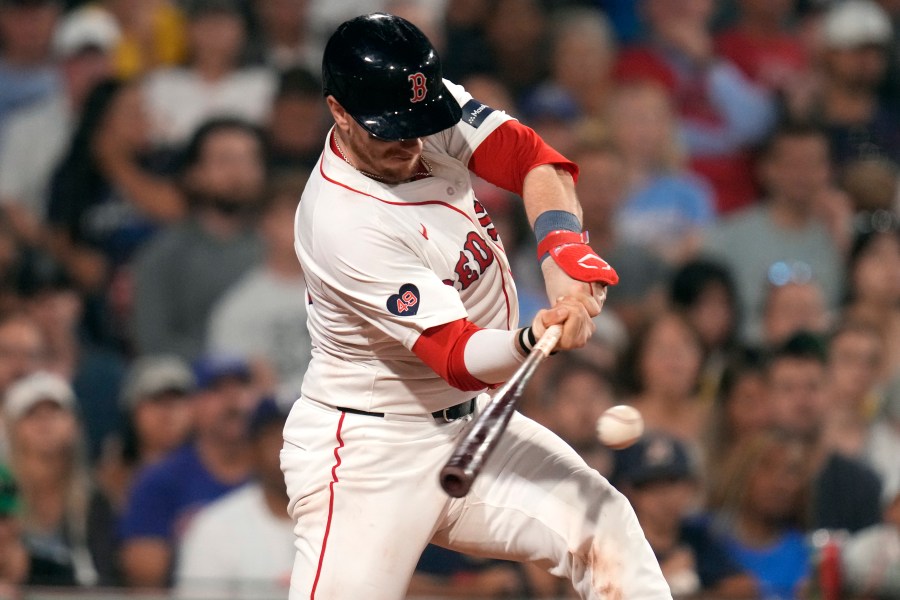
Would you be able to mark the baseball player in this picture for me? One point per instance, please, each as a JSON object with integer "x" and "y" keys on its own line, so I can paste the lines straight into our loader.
{"x": 412, "y": 312}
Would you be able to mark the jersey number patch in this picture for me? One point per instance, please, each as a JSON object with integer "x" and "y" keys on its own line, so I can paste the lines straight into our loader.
{"x": 404, "y": 303}
{"x": 419, "y": 89}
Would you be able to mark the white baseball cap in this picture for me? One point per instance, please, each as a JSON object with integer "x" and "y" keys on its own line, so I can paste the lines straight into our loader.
{"x": 155, "y": 374}
{"x": 84, "y": 28}
{"x": 31, "y": 389}
{"x": 856, "y": 23}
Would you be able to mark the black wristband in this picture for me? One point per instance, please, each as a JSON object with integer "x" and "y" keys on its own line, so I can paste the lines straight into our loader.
{"x": 526, "y": 340}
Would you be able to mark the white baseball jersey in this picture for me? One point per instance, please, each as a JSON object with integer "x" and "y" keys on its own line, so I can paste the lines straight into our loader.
{"x": 384, "y": 262}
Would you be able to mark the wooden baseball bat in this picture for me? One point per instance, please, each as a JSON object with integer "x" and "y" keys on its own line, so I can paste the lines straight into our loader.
{"x": 473, "y": 450}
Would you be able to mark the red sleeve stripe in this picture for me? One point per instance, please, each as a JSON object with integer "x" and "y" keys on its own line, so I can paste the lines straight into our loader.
{"x": 493, "y": 159}
{"x": 443, "y": 348}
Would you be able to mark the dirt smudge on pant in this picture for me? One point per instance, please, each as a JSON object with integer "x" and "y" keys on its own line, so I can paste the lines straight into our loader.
{"x": 606, "y": 571}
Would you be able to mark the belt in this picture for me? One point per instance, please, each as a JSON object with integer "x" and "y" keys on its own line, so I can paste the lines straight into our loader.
{"x": 447, "y": 415}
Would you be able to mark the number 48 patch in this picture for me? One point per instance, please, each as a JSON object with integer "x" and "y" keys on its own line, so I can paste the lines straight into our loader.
{"x": 404, "y": 303}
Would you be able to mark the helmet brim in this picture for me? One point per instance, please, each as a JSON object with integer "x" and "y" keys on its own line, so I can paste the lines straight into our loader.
{"x": 422, "y": 119}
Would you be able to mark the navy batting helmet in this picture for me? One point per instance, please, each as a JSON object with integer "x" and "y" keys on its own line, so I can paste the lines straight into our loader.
{"x": 387, "y": 75}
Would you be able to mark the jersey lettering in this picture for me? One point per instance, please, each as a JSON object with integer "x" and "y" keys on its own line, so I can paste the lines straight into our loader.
{"x": 419, "y": 89}
{"x": 484, "y": 219}
{"x": 477, "y": 250}
{"x": 484, "y": 256}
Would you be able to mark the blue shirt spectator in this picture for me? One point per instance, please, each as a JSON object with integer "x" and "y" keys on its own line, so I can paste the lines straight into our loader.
{"x": 779, "y": 567}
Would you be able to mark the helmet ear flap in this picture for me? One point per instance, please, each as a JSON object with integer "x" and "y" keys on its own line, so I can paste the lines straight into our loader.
{"x": 387, "y": 75}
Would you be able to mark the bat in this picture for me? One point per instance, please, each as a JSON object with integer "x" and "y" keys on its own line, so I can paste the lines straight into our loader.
{"x": 473, "y": 450}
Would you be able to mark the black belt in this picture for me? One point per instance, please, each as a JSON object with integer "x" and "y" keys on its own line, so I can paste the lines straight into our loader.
{"x": 447, "y": 415}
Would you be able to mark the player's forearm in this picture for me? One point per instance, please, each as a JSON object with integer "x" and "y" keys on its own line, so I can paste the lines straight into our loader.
{"x": 548, "y": 187}
{"x": 493, "y": 355}
{"x": 470, "y": 358}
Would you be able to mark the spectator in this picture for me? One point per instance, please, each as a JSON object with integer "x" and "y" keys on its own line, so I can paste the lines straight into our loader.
{"x": 104, "y": 200}
{"x": 873, "y": 280}
{"x": 23, "y": 349}
{"x": 35, "y": 139}
{"x": 763, "y": 45}
{"x": 761, "y": 504}
{"x": 156, "y": 399}
{"x": 741, "y": 410}
{"x": 704, "y": 292}
{"x": 167, "y": 493}
{"x": 658, "y": 478}
{"x": 213, "y": 84}
{"x": 517, "y": 35}
{"x": 27, "y": 75}
{"x": 793, "y": 301}
{"x": 583, "y": 51}
{"x": 794, "y": 169}
{"x": 153, "y": 35}
{"x": 723, "y": 113}
{"x": 665, "y": 208}
{"x": 49, "y": 297}
{"x": 209, "y": 560}
{"x": 184, "y": 271}
{"x": 56, "y": 490}
{"x": 467, "y": 53}
{"x": 845, "y": 492}
{"x": 296, "y": 126}
{"x": 263, "y": 315}
{"x": 284, "y": 35}
{"x": 856, "y": 36}
{"x": 855, "y": 367}
{"x": 665, "y": 370}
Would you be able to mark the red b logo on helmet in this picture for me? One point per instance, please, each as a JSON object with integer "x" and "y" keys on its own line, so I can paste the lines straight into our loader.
{"x": 418, "y": 87}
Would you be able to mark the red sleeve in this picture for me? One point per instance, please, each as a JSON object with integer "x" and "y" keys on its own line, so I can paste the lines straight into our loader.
{"x": 443, "y": 349}
{"x": 493, "y": 159}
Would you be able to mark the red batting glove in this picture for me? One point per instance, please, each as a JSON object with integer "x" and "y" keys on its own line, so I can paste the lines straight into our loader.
{"x": 577, "y": 260}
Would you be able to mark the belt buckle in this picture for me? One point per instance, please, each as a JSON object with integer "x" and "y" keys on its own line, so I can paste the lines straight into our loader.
{"x": 444, "y": 414}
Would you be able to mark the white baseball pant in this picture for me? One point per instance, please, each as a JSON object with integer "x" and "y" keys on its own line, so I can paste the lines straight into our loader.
{"x": 365, "y": 496}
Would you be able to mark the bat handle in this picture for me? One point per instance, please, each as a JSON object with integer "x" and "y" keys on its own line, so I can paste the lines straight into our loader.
{"x": 549, "y": 340}
{"x": 456, "y": 480}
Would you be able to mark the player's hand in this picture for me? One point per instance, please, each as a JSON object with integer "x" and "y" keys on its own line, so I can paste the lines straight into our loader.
{"x": 559, "y": 284}
{"x": 574, "y": 313}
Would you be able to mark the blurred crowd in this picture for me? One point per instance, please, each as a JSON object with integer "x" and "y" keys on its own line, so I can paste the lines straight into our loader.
{"x": 739, "y": 161}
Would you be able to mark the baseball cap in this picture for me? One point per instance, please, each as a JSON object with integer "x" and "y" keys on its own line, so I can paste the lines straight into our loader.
{"x": 552, "y": 103}
{"x": 654, "y": 457}
{"x": 266, "y": 413}
{"x": 153, "y": 375}
{"x": 856, "y": 23}
{"x": 31, "y": 389}
{"x": 209, "y": 370}
{"x": 88, "y": 27}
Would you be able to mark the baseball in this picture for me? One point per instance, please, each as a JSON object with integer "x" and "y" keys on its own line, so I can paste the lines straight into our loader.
{"x": 620, "y": 426}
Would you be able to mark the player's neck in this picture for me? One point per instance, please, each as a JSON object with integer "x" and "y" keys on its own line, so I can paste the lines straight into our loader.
{"x": 345, "y": 151}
